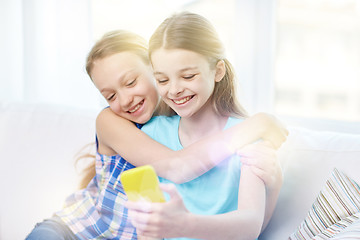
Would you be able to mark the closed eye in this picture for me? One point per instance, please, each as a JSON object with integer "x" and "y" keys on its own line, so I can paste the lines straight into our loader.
{"x": 131, "y": 83}
{"x": 162, "y": 81}
{"x": 188, "y": 77}
{"x": 111, "y": 97}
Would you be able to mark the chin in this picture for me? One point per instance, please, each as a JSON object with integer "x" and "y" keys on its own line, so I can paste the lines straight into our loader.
{"x": 143, "y": 119}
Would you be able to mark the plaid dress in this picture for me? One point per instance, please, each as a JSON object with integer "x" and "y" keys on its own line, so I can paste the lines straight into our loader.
{"x": 97, "y": 212}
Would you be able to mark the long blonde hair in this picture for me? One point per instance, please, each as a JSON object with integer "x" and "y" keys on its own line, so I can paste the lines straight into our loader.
{"x": 195, "y": 33}
{"x": 111, "y": 43}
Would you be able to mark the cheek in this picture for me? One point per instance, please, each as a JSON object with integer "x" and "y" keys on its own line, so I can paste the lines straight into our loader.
{"x": 154, "y": 94}
{"x": 153, "y": 98}
{"x": 208, "y": 88}
{"x": 115, "y": 107}
{"x": 161, "y": 90}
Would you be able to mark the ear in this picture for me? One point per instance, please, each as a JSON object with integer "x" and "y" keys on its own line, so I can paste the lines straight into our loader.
{"x": 220, "y": 71}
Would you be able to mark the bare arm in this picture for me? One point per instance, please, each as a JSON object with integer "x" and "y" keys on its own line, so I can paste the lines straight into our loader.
{"x": 262, "y": 159}
{"x": 118, "y": 135}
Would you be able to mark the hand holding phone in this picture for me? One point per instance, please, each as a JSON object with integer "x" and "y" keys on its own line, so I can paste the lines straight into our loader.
{"x": 142, "y": 183}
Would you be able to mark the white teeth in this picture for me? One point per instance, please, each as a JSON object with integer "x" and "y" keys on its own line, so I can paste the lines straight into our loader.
{"x": 183, "y": 100}
{"x": 136, "y": 108}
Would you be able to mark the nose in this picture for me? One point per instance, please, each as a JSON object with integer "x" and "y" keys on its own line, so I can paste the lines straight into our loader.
{"x": 125, "y": 99}
{"x": 175, "y": 88}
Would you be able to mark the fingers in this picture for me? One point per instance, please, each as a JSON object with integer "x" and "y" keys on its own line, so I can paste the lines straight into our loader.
{"x": 150, "y": 219}
{"x": 263, "y": 162}
{"x": 145, "y": 232}
{"x": 139, "y": 219}
{"x": 143, "y": 219}
{"x": 267, "y": 143}
{"x": 267, "y": 165}
{"x": 270, "y": 180}
{"x": 259, "y": 154}
{"x": 141, "y": 206}
{"x": 284, "y": 133}
{"x": 171, "y": 190}
{"x": 261, "y": 174}
{"x": 139, "y": 213}
{"x": 277, "y": 137}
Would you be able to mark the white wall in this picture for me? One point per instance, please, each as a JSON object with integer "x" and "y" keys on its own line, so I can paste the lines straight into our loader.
{"x": 48, "y": 41}
{"x": 254, "y": 58}
{"x": 11, "y": 46}
{"x": 45, "y": 46}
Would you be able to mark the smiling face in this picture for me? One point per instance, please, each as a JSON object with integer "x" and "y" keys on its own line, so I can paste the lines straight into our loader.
{"x": 127, "y": 84}
{"x": 185, "y": 80}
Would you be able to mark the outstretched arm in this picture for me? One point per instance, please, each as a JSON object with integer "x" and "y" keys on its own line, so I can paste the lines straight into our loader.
{"x": 118, "y": 135}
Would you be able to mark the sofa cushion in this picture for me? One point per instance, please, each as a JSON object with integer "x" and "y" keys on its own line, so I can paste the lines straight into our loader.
{"x": 347, "y": 228}
{"x": 308, "y": 157}
{"x": 351, "y": 232}
{"x": 339, "y": 199}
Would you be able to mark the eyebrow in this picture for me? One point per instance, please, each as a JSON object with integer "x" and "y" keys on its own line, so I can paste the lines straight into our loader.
{"x": 105, "y": 90}
{"x": 181, "y": 70}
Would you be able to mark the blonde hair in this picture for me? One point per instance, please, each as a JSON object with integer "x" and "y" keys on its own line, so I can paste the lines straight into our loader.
{"x": 116, "y": 42}
{"x": 85, "y": 164}
{"x": 111, "y": 43}
{"x": 195, "y": 33}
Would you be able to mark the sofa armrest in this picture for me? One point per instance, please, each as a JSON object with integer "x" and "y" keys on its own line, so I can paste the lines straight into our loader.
{"x": 38, "y": 145}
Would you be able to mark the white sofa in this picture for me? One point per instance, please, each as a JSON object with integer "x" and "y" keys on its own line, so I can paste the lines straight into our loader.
{"x": 38, "y": 145}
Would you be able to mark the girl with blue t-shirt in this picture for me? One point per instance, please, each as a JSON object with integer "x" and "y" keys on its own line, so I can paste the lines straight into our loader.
{"x": 196, "y": 80}
{"x": 119, "y": 67}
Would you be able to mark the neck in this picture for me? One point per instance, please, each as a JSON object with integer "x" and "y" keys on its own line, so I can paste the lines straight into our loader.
{"x": 200, "y": 125}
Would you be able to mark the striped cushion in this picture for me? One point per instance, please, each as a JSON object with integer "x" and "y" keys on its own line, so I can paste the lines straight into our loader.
{"x": 347, "y": 228}
{"x": 338, "y": 200}
{"x": 351, "y": 232}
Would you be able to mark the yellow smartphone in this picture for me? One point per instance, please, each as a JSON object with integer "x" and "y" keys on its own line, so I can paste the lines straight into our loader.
{"x": 142, "y": 183}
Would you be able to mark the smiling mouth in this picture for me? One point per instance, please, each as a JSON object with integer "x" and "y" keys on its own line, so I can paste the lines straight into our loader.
{"x": 182, "y": 100}
{"x": 134, "y": 109}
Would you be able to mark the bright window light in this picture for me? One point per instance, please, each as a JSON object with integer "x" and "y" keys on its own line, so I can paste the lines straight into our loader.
{"x": 317, "y": 71}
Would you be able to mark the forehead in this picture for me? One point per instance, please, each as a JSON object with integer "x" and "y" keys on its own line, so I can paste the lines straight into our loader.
{"x": 115, "y": 67}
{"x": 176, "y": 59}
{"x": 120, "y": 60}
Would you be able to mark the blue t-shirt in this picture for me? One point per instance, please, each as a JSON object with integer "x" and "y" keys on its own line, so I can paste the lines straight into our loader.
{"x": 214, "y": 192}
